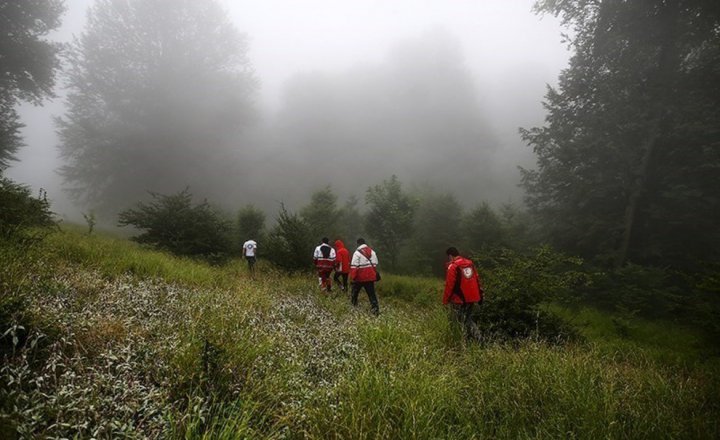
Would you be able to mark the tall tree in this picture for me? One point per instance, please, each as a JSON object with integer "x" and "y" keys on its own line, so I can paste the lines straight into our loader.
{"x": 322, "y": 215}
{"x": 351, "y": 221}
{"x": 482, "y": 229}
{"x": 157, "y": 88}
{"x": 436, "y": 227}
{"x": 250, "y": 225}
{"x": 629, "y": 157}
{"x": 28, "y": 63}
{"x": 390, "y": 218}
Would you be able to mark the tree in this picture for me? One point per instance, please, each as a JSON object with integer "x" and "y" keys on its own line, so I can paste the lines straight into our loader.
{"x": 351, "y": 221}
{"x": 172, "y": 223}
{"x": 250, "y": 224}
{"x": 390, "y": 218}
{"x": 482, "y": 229}
{"x": 28, "y": 63}
{"x": 322, "y": 215}
{"x": 157, "y": 89}
{"x": 289, "y": 245}
{"x": 628, "y": 159}
{"x": 436, "y": 227}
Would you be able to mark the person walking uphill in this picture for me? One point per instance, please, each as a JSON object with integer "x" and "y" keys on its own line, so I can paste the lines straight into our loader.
{"x": 324, "y": 258}
{"x": 342, "y": 265}
{"x": 364, "y": 274}
{"x": 463, "y": 290}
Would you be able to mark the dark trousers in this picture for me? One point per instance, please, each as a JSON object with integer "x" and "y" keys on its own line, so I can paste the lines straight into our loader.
{"x": 369, "y": 287}
{"x": 464, "y": 314}
{"x": 344, "y": 276}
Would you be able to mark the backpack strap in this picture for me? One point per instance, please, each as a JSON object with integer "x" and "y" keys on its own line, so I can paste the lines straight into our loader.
{"x": 456, "y": 288}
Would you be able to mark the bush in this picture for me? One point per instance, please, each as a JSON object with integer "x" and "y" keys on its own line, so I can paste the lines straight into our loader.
{"x": 172, "y": 223}
{"x": 289, "y": 244}
{"x": 21, "y": 212}
{"x": 517, "y": 287}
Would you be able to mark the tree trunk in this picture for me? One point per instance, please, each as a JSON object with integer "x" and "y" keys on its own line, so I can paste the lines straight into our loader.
{"x": 668, "y": 61}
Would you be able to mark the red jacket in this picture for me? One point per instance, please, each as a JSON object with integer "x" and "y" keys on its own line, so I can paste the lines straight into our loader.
{"x": 362, "y": 266}
{"x": 342, "y": 258}
{"x": 462, "y": 282}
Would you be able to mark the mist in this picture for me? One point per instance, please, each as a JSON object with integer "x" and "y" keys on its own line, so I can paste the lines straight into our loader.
{"x": 348, "y": 94}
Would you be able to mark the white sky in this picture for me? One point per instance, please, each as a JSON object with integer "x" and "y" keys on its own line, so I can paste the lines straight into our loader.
{"x": 506, "y": 46}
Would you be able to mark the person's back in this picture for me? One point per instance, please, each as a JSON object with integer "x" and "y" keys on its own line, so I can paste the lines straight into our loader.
{"x": 463, "y": 291}
{"x": 342, "y": 264}
{"x": 324, "y": 259}
{"x": 249, "y": 252}
{"x": 364, "y": 274}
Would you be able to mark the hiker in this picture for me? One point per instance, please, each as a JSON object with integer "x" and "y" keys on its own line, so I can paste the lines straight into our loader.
{"x": 342, "y": 265}
{"x": 324, "y": 258}
{"x": 364, "y": 274}
{"x": 463, "y": 290}
{"x": 249, "y": 251}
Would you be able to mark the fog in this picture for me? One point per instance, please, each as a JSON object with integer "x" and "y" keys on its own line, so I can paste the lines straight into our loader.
{"x": 351, "y": 93}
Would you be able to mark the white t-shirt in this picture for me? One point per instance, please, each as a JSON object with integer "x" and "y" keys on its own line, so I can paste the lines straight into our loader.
{"x": 250, "y": 247}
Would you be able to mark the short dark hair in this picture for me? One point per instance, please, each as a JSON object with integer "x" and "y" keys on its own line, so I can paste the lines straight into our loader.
{"x": 360, "y": 241}
{"x": 452, "y": 251}
{"x": 325, "y": 240}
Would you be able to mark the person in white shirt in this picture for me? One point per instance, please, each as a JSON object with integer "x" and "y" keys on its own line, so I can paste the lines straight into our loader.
{"x": 249, "y": 253}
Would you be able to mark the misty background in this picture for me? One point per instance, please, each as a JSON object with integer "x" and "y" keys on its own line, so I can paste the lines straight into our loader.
{"x": 350, "y": 93}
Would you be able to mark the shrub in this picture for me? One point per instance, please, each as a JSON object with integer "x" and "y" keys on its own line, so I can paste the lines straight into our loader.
{"x": 517, "y": 288}
{"x": 172, "y": 223}
{"x": 289, "y": 244}
{"x": 21, "y": 211}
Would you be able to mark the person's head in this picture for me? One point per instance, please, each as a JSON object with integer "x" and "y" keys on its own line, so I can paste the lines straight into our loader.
{"x": 360, "y": 241}
{"x": 452, "y": 252}
{"x": 325, "y": 240}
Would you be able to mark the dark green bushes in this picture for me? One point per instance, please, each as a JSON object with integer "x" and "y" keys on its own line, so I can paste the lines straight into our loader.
{"x": 22, "y": 213}
{"x": 172, "y": 223}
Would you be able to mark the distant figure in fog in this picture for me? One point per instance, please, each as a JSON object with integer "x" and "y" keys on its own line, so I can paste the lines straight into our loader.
{"x": 342, "y": 265}
{"x": 364, "y": 274}
{"x": 249, "y": 252}
{"x": 324, "y": 258}
{"x": 463, "y": 290}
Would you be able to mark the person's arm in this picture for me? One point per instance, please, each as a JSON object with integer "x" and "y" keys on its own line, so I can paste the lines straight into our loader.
{"x": 354, "y": 265}
{"x": 450, "y": 277}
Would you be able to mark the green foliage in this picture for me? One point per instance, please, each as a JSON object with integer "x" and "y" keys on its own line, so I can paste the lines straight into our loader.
{"x": 627, "y": 162}
{"x": 350, "y": 221}
{"x": 29, "y": 63}
{"x": 169, "y": 347}
{"x": 517, "y": 287}
{"x": 158, "y": 89}
{"x": 21, "y": 211}
{"x": 436, "y": 227}
{"x": 250, "y": 224}
{"x": 172, "y": 223}
{"x": 390, "y": 218}
{"x": 322, "y": 215}
{"x": 289, "y": 244}
{"x": 482, "y": 229}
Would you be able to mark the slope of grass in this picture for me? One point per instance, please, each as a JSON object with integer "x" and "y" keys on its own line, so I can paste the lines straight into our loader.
{"x": 123, "y": 341}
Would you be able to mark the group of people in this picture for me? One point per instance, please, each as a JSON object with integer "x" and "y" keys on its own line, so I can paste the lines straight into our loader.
{"x": 361, "y": 269}
{"x": 463, "y": 287}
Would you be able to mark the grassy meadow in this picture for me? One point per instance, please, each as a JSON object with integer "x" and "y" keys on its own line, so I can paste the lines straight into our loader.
{"x": 103, "y": 338}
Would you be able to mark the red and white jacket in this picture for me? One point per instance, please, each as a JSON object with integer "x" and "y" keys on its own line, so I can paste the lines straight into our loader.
{"x": 462, "y": 282}
{"x": 362, "y": 265}
{"x": 324, "y": 257}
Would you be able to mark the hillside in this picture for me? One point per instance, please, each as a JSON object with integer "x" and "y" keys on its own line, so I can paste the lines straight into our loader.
{"x": 102, "y": 338}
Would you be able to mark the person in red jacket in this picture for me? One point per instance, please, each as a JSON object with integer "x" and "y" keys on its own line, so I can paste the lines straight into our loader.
{"x": 463, "y": 290}
{"x": 364, "y": 274}
{"x": 342, "y": 265}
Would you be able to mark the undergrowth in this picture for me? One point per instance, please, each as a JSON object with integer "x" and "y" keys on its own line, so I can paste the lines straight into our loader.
{"x": 121, "y": 341}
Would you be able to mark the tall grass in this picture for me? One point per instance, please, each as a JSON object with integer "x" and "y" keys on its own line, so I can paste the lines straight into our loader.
{"x": 146, "y": 344}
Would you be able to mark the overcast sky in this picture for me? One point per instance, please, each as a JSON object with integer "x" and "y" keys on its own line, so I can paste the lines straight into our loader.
{"x": 508, "y": 48}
